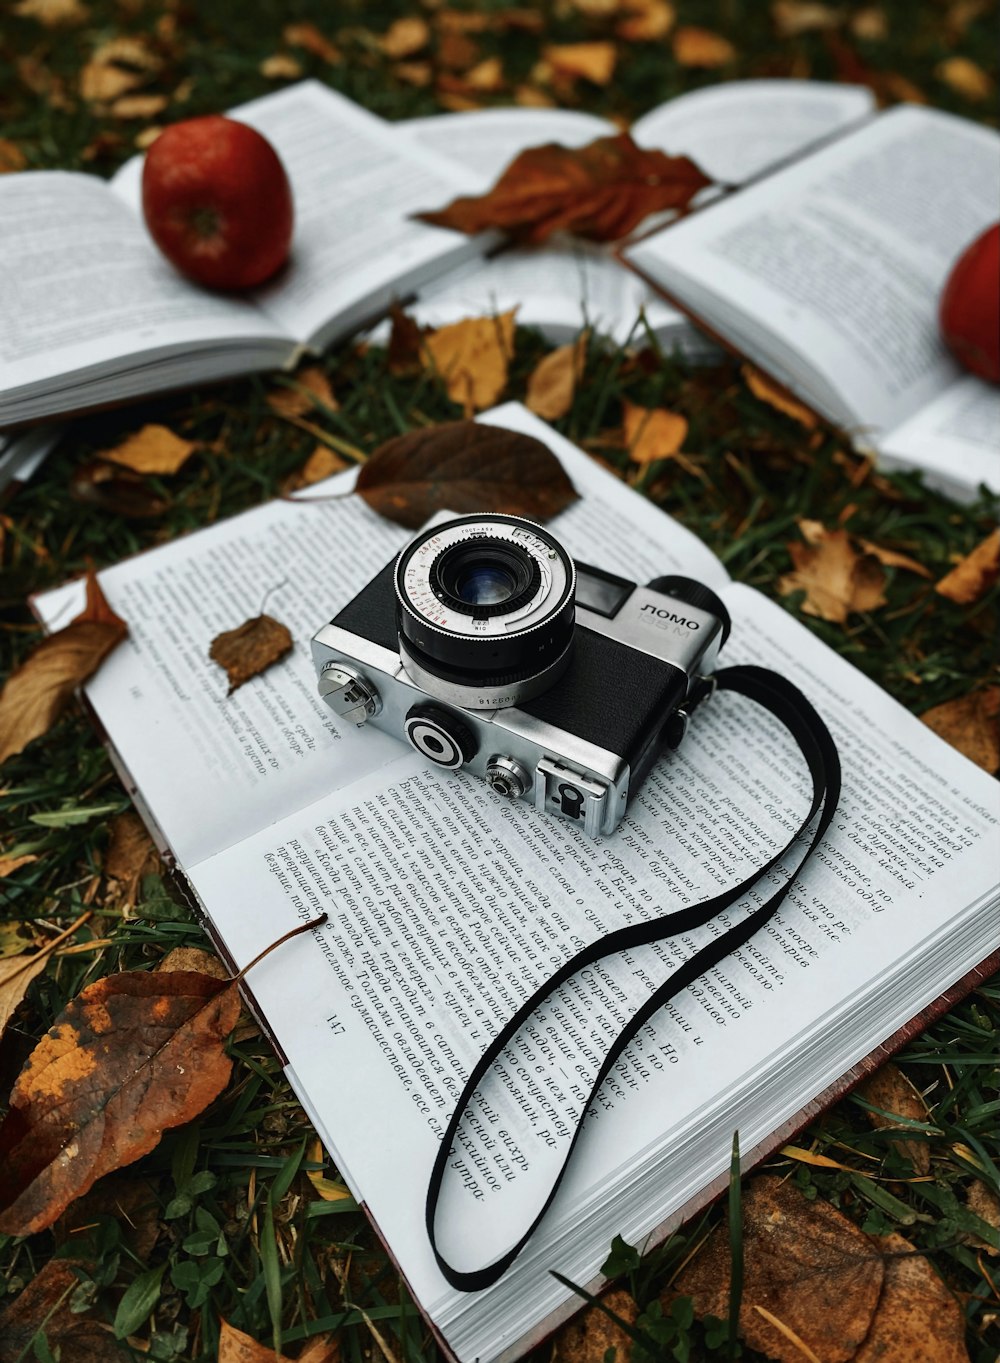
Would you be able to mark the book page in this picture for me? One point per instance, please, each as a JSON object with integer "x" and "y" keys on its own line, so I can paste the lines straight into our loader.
{"x": 273, "y": 744}
{"x": 737, "y": 130}
{"x": 828, "y": 273}
{"x": 955, "y": 440}
{"x": 23, "y": 452}
{"x": 85, "y": 291}
{"x": 448, "y": 905}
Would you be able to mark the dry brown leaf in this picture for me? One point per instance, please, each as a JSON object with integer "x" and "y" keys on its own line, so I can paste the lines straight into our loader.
{"x": 554, "y": 379}
{"x": 322, "y": 463}
{"x": 247, "y": 651}
{"x": 836, "y": 579}
{"x": 971, "y": 724}
{"x": 8, "y": 865}
{"x": 977, "y": 572}
{"x": 139, "y": 106}
{"x": 593, "y": 61}
{"x": 462, "y": 21}
{"x": 804, "y": 1262}
{"x": 596, "y": 9}
{"x": 646, "y": 21}
{"x": 306, "y": 35}
{"x": 600, "y": 192}
{"x": 405, "y": 38}
{"x": 280, "y": 66}
{"x": 701, "y": 47}
{"x": 889, "y": 1089}
{"x": 778, "y": 397}
{"x": 116, "y": 67}
{"x": 588, "y": 1337}
{"x": 237, "y": 1347}
{"x": 131, "y": 1056}
{"x": 311, "y": 386}
{"x": 464, "y": 466}
{"x": 45, "y": 1304}
{"x": 472, "y": 357}
{"x": 197, "y": 959}
{"x": 918, "y": 1319}
{"x": 12, "y": 158}
{"x": 325, "y": 1187}
{"x": 38, "y": 691}
{"x": 52, "y": 13}
{"x": 652, "y": 433}
{"x": 966, "y": 78}
{"x": 118, "y": 490}
{"x": 134, "y": 1205}
{"x": 153, "y": 449}
{"x": 144, "y": 140}
{"x": 418, "y": 74}
{"x": 16, "y": 973}
{"x": 892, "y": 559}
{"x": 983, "y": 1202}
{"x": 404, "y": 354}
{"x": 530, "y": 97}
{"x": 131, "y": 855}
{"x": 792, "y": 17}
{"x": 870, "y": 25}
{"x": 486, "y": 76}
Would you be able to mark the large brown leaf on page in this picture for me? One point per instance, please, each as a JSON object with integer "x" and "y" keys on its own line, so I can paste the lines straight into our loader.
{"x": 464, "y": 466}
{"x": 600, "y": 192}
{"x": 132, "y": 1055}
{"x": 38, "y": 691}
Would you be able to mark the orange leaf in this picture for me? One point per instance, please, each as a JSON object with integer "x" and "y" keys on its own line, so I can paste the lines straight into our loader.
{"x": 153, "y": 449}
{"x": 302, "y": 392}
{"x": 601, "y": 192}
{"x": 889, "y": 1089}
{"x": 918, "y": 1315}
{"x": 464, "y": 466}
{"x": 647, "y": 21}
{"x": 132, "y": 1055}
{"x": 836, "y": 579}
{"x": 130, "y": 855}
{"x": 322, "y": 463}
{"x": 554, "y": 380}
{"x": 892, "y": 559}
{"x": 700, "y": 47}
{"x": 52, "y": 13}
{"x": 405, "y": 38}
{"x": 593, "y": 1334}
{"x": 249, "y": 649}
{"x": 966, "y": 78}
{"x": 975, "y": 575}
{"x": 11, "y": 157}
{"x": 775, "y": 396}
{"x": 280, "y": 66}
{"x": 309, "y": 37}
{"x": 38, "y": 691}
{"x": 44, "y": 1309}
{"x": 971, "y": 724}
{"x": 594, "y": 61}
{"x": 792, "y": 17}
{"x": 653, "y": 433}
{"x": 472, "y": 357}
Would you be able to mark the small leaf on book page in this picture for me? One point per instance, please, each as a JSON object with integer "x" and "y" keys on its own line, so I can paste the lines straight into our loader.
{"x": 975, "y": 575}
{"x": 701, "y": 47}
{"x": 464, "y": 466}
{"x": 472, "y": 356}
{"x": 38, "y": 691}
{"x": 590, "y": 1335}
{"x": 971, "y": 724}
{"x": 246, "y": 651}
{"x": 600, "y": 192}
{"x": 131, "y": 1056}
{"x": 811, "y": 1267}
{"x": 918, "y": 1316}
{"x": 594, "y": 61}
{"x": 775, "y": 396}
{"x": 153, "y": 449}
{"x": 889, "y": 1089}
{"x": 836, "y": 579}
{"x": 112, "y": 488}
{"x": 554, "y": 380}
{"x": 652, "y": 433}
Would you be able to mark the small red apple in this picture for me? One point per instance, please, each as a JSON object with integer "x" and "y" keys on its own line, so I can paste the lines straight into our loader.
{"x": 217, "y": 202}
{"x": 969, "y": 312}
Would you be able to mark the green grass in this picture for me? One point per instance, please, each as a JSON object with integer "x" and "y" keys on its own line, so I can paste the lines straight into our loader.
{"x": 243, "y": 1235}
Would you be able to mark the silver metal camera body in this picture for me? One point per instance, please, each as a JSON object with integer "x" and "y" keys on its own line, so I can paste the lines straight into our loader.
{"x": 489, "y": 650}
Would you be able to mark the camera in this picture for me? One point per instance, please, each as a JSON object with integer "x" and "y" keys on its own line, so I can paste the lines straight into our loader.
{"x": 489, "y": 650}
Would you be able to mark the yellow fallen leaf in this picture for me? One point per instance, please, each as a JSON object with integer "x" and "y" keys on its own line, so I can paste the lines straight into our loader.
{"x": 966, "y": 78}
{"x": 530, "y": 97}
{"x": 796, "y": 1152}
{"x": 472, "y": 356}
{"x": 792, "y": 17}
{"x": 52, "y": 13}
{"x": 11, "y": 157}
{"x": 554, "y": 380}
{"x": 596, "y": 9}
{"x": 16, "y": 973}
{"x": 975, "y": 574}
{"x": 139, "y": 106}
{"x": 646, "y": 21}
{"x": 280, "y": 66}
{"x": 302, "y": 392}
{"x": 486, "y": 75}
{"x": 775, "y": 396}
{"x": 892, "y": 559}
{"x": 309, "y": 37}
{"x": 701, "y": 47}
{"x": 322, "y": 463}
{"x": 153, "y": 449}
{"x": 417, "y": 74}
{"x": 8, "y": 865}
{"x": 971, "y": 724}
{"x": 836, "y": 579}
{"x": 116, "y": 67}
{"x": 652, "y": 433}
{"x": 593, "y": 61}
{"x": 870, "y": 25}
{"x": 405, "y": 38}
{"x": 328, "y": 1189}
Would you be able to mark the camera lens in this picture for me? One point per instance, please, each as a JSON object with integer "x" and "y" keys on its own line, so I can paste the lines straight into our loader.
{"x": 486, "y": 610}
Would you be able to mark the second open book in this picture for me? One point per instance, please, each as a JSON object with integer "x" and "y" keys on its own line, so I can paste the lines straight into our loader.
{"x": 446, "y": 904}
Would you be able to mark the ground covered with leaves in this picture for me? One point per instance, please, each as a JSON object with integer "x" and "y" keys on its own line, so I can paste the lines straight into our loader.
{"x": 232, "y": 1228}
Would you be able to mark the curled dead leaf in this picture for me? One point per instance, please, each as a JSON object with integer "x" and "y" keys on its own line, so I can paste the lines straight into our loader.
{"x": 153, "y": 449}
{"x": 810, "y": 1267}
{"x": 464, "y": 466}
{"x": 778, "y": 397}
{"x": 593, "y": 61}
{"x": 8, "y": 865}
{"x": 600, "y": 192}
{"x": 472, "y": 356}
{"x": 891, "y": 558}
{"x": 701, "y": 47}
{"x": 835, "y": 578}
{"x": 917, "y": 1315}
{"x": 248, "y": 650}
{"x": 16, "y": 973}
{"x": 131, "y": 1056}
{"x": 889, "y": 1089}
{"x": 110, "y": 487}
{"x": 971, "y": 724}
{"x": 975, "y": 575}
{"x": 554, "y": 379}
{"x": 324, "y": 1187}
{"x": 652, "y": 433}
{"x": 38, "y": 691}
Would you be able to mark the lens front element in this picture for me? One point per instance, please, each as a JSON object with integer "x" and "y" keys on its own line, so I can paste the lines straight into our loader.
{"x": 483, "y": 576}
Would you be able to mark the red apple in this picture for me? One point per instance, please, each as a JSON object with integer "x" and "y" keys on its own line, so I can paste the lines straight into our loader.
{"x": 970, "y": 306}
{"x": 217, "y": 202}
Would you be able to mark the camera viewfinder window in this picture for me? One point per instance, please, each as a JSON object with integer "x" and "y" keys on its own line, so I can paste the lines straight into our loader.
{"x": 601, "y": 592}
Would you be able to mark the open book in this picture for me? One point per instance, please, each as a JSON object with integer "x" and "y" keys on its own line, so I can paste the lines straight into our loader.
{"x": 447, "y": 904}
{"x": 734, "y": 131}
{"x": 94, "y": 314}
{"x": 827, "y": 274}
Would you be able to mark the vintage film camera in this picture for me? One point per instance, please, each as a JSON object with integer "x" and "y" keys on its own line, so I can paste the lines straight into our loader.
{"x": 488, "y": 649}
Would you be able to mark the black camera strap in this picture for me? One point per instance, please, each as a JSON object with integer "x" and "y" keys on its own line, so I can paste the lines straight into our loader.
{"x": 794, "y": 711}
